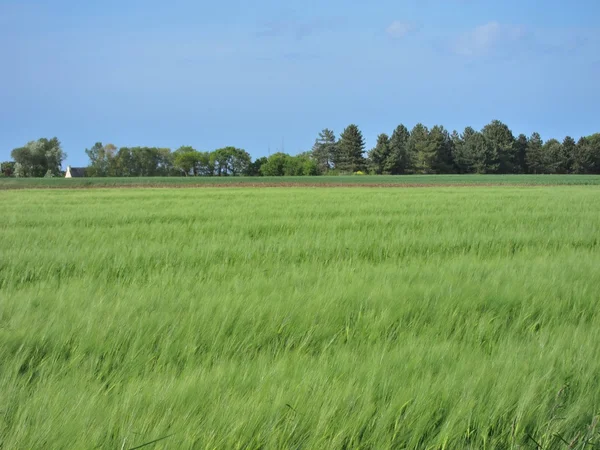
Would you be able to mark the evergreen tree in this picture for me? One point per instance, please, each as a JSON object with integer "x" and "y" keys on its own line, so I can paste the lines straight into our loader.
{"x": 534, "y": 155}
{"x": 554, "y": 159}
{"x": 501, "y": 142}
{"x": 475, "y": 155}
{"x": 324, "y": 150}
{"x": 432, "y": 150}
{"x": 379, "y": 155}
{"x": 457, "y": 144}
{"x": 593, "y": 143}
{"x": 350, "y": 150}
{"x": 418, "y": 145}
{"x": 440, "y": 146}
{"x": 484, "y": 159}
{"x": 462, "y": 156}
{"x": 587, "y": 155}
{"x": 582, "y": 161}
{"x": 520, "y": 147}
{"x": 399, "y": 161}
{"x": 568, "y": 147}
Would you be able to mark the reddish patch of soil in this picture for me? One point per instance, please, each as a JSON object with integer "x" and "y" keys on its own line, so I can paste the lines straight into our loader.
{"x": 274, "y": 185}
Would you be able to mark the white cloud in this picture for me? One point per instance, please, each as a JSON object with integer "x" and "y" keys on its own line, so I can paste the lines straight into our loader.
{"x": 484, "y": 38}
{"x": 399, "y": 29}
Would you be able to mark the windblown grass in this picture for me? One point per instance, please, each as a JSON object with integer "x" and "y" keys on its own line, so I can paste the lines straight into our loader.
{"x": 440, "y": 318}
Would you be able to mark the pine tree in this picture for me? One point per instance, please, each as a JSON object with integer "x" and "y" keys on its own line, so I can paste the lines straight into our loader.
{"x": 455, "y": 147}
{"x": 593, "y": 142}
{"x": 534, "y": 155}
{"x": 432, "y": 150}
{"x": 379, "y": 155}
{"x": 554, "y": 161}
{"x": 418, "y": 145}
{"x": 501, "y": 142}
{"x": 350, "y": 150}
{"x": 399, "y": 161}
{"x": 474, "y": 153}
{"x": 484, "y": 159}
{"x": 587, "y": 155}
{"x": 520, "y": 147}
{"x": 568, "y": 147}
{"x": 461, "y": 155}
{"x": 441, "y": 148}
{"x": 323, "y": 152}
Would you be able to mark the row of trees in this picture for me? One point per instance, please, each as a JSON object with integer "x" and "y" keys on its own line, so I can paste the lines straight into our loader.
{"x": 106, "y": 160}
{"x": 494, "y": 149}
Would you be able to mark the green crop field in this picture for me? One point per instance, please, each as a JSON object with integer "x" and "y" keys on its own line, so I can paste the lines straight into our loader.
{"x": 352, "y": 180}
{"x": 305, "y": 318}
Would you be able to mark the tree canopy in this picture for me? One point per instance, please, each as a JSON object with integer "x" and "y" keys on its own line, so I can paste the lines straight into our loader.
{"x": 423, "y": 150}
{"x": 39, "y": 158}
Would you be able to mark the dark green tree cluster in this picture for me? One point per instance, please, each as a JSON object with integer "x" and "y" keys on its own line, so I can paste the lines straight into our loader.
{"x": 346, "y": 155}
{"x": 494, "y": 149}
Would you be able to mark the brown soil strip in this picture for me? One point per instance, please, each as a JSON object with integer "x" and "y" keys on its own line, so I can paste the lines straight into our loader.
{"x": 277, "y": 185}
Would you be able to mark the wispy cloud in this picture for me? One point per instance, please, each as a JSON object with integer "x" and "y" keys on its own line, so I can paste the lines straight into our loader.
{"x": 485, "y": 38}
{"x": 398, "y": 29}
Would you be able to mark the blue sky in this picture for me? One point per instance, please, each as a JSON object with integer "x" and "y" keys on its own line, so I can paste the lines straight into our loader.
{"x": 255, "y": 73}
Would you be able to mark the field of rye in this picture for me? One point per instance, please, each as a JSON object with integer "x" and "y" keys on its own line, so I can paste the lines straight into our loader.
{"x": 305, "y": 318}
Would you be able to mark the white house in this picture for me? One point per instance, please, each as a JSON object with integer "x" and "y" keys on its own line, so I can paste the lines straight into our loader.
{"x": 75, "y": 172}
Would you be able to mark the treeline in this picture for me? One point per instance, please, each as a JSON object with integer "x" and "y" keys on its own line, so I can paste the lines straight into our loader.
{"x": 493, "y": 150}
{"x": 106, "y": 160}
{"x": 421, "y": 150}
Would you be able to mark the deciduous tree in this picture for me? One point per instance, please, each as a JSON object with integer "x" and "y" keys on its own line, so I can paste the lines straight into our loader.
{"x": 37, "y": 158}
{"x": 187, "y": 160}
{"x": 7, "y": 168}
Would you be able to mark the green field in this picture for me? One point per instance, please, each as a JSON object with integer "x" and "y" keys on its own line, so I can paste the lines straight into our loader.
{"x": 438, "y": 318}
{"x": 352, "y": 180}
